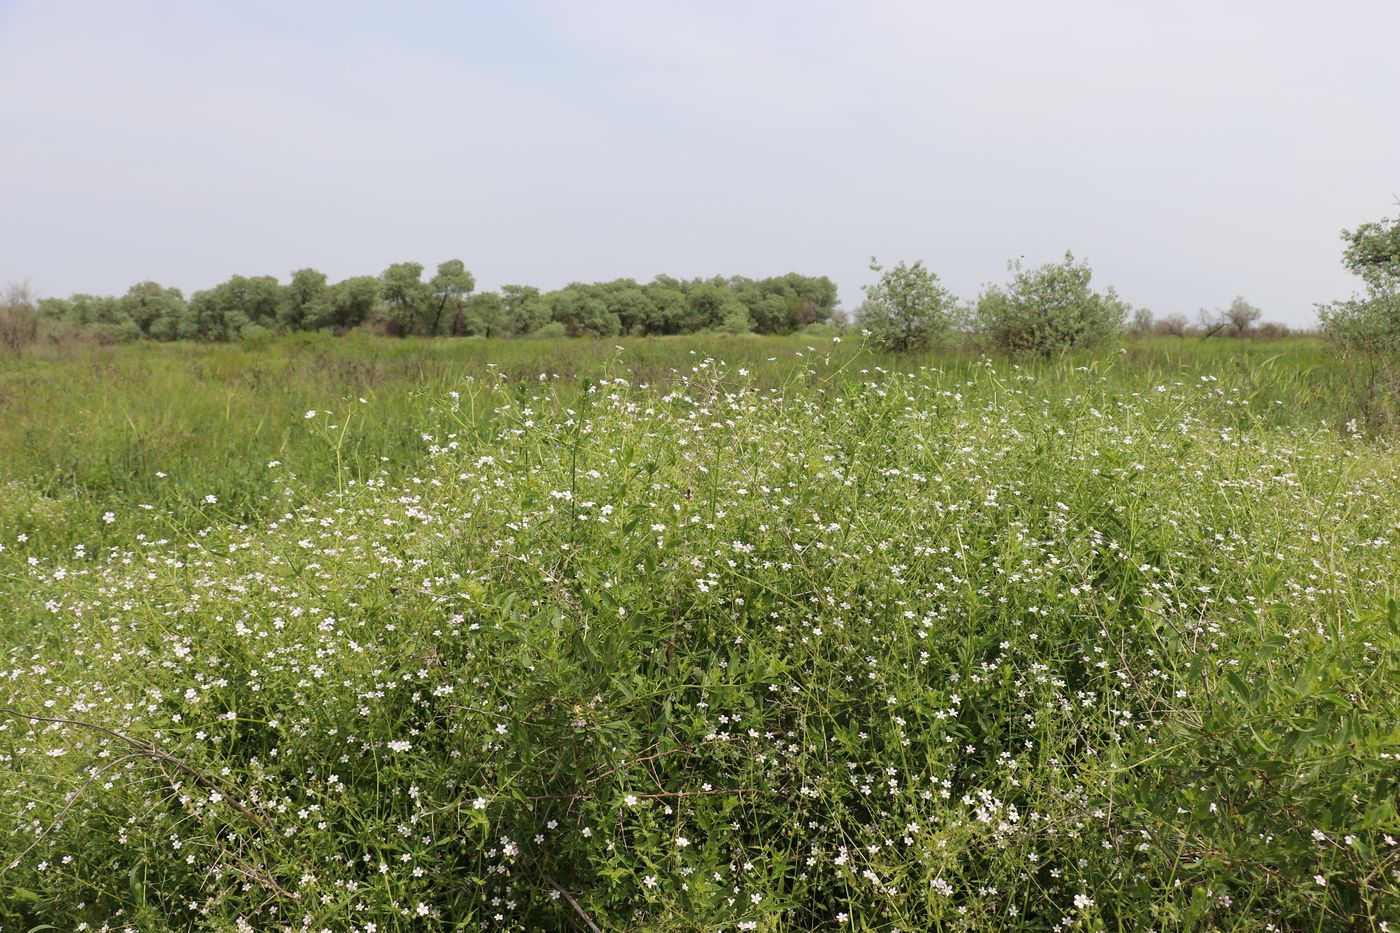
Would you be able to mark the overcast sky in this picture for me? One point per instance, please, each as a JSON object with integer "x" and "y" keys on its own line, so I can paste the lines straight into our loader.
{"x": 1191, "y": 151}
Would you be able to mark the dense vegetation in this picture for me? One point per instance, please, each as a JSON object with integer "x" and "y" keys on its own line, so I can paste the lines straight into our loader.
{"x": 1044, "y": 310}
{"x": 710, "y": 633}
{"x": 401, "y": 302}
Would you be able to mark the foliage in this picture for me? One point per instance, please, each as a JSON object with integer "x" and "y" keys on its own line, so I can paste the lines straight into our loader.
{"x": 907, "y": 308}
{"x": 1366, "y": 327}
{"x": 19, "y": 317}
{"x": 816, "y": 639}
{"x": 1369, "y": 322}
{"x": 1049, "y": 309}
{"x": 400, "y": 303}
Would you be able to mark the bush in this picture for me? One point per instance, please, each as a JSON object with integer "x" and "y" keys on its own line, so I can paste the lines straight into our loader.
{"x": 1050, "y": 309}
{"x": 553, "y": 329}
{"x": 1367, "y": 326}
{"x": 907, "y": 309}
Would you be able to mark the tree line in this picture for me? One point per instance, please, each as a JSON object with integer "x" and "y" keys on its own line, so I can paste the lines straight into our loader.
{"x": 403, "y": 302}
{"x": 1041, "y": 310}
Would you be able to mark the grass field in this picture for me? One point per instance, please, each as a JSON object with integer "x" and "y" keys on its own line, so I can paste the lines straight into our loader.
{"x": 695, "y": 634}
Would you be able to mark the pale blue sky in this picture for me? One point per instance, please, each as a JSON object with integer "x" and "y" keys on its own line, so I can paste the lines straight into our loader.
{"x": 1192, "y": 151}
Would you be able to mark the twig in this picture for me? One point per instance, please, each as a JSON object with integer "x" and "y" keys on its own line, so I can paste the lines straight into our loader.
{"x": 578, "y": 909}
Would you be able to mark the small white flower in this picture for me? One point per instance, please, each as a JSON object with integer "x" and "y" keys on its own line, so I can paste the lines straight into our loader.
{"x": 310, "y": 414}
{"x": 630, "y": 800}
{"x": 682, "y": 842}
{"x": 479, "y": 803}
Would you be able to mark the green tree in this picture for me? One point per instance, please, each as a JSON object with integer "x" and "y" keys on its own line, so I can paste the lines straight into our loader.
{"x": 153, "y": 309}
{"x": 450, "y": 288}
{"x": 1050, "y": 309}
{"x": 483, "y": 314}
{"x": 1369, "y": 322}
{"x": 408, "y": 300}
{"x": 303, "y": 300}
{"x": 1366, "y": 326}
{"x": 237, "y": 308}
{"x": 907, "y": 308}
{"x": 582, "y": 313}
{"x": 346, "y": 305}
{"x": 524, "y": 308}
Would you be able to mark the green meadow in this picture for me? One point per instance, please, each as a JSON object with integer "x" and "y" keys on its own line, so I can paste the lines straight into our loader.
{"x": 696, "y": 633}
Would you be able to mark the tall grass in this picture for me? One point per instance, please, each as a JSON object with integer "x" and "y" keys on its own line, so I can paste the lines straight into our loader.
{"x": 789, "y": 642}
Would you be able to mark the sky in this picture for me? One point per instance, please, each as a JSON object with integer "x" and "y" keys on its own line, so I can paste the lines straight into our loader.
{"x": 1191, "y": 151}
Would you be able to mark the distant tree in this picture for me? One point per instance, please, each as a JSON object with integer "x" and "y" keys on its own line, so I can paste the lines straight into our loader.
{"x": 524, "y": 308}
{"x": 625, "y": 299}
{"x": 450, "y": 288}
{"x": 1369, "y": 322}
{"x": 1174, "y": 325}
{"x": 153, "y": 309}
{"x": 1211, "y": 322}
{"x": 1141, "y": 324}
{"x": 483, "y": 314}
{"x": 582, "y": 313}
{"x": 408, "y": 300}
{"x": 737, "y": 321}
{"x": 19, "y": 317}
{"x": 707, "y": 304}
{"x": 667, "y": 296}
{"x": 303, "y": 300}
{"x": 346, "y": 305}
{"x": 1050, "y": 309}
{"x": 1240, "y": 316}
{"x": 1366, "y": 327}
{"x": 907, "y": 308}
{"x": 237, "y": 308}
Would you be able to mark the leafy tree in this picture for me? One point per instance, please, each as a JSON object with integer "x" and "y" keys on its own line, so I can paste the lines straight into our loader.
{"x": 233, "y": 309}
{"x": 737, "y": 321}
{"x": 907, "y": 308}
{"x": 708, "y": 305}
{"x": 346, "y": 304}
{"x": 483, "y": 314}
{"x": 525, "y": 309}
{"x": 1049, "y": 309}
{"x": 1367, "y": 326}
{"x": 154, "y": 310}
{"x": 1369, "y": 322}
{"x": 450, "y": 288}
{"x": 667, "y": 297}
{"x": 582, "y": 313}
{"x": 408, "y": 300}
{"x": 303, "y": 300}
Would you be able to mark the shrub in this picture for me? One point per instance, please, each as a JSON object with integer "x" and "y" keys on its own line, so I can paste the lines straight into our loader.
{"x": 907, "y": 309}
{"x": 1049, "y": 309}
{"x": 1367, "y": 326}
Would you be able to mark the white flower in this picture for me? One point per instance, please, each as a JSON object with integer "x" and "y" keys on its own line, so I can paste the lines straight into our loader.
{"x": 1083, "y": 901}
{"x": 630, "y": 800}
{"x": 479, "y": 803}
{"x": 311, "y": 414}
{"x": 649, "y": 881}
{"x": 682, "y": 842}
